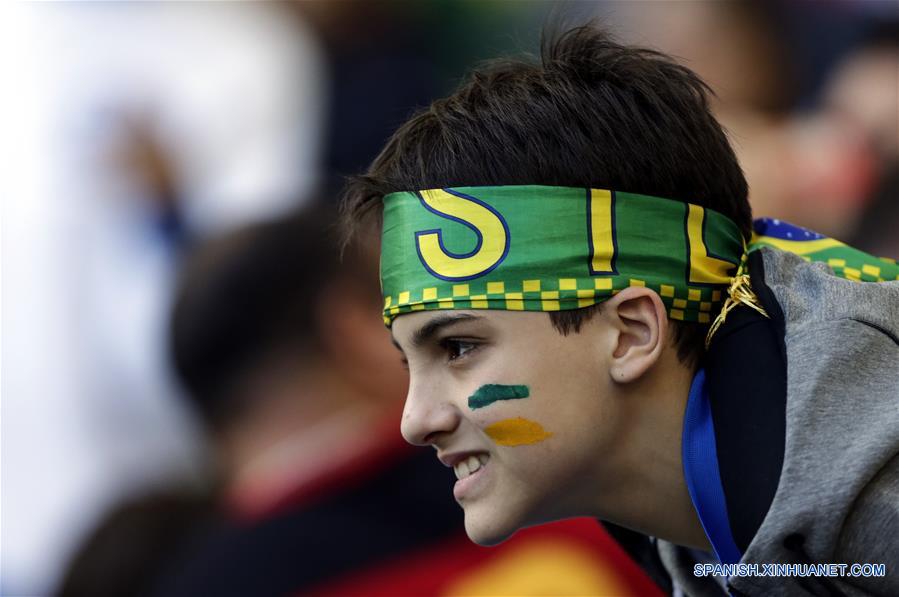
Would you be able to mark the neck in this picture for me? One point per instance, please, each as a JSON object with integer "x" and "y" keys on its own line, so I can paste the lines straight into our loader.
{"x": 650, "y": 492}
{"x": 299, "y": 421}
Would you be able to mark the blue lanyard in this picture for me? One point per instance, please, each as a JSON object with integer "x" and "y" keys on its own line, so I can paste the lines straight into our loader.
{"x": 701, "y": 472}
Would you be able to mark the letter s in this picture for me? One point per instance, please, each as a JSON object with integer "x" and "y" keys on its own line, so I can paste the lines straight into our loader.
{"x": 489, "y": 227}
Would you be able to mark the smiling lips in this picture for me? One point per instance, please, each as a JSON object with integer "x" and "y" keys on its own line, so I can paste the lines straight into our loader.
{"x": 470, "y": 465}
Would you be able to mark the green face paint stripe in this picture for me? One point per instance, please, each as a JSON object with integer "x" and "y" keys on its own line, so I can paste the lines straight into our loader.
{"x": 492, "y": 392}
{"x": 517, "y": 432}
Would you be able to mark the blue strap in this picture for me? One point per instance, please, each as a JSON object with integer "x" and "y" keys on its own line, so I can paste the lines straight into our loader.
{"x": 701, "y": 472}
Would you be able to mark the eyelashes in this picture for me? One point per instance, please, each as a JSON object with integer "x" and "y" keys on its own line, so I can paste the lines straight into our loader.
{"x": 452, "y": 351}
{"x": 457, "y": 349}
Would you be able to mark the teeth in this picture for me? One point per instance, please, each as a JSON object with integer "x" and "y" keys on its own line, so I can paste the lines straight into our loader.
{"x": 470, "y": 465}
{"x": 461, "y": 469}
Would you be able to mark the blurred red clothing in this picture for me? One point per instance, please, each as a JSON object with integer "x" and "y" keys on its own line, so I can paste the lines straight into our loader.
{"x": 384, "y": 522}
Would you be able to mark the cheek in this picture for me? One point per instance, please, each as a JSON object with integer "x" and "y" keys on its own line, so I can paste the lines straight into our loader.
{"x": 563, "y": 424}
{"x": 520, "y": 418}
{"x": 536, "y": 393}
{"x": 502, "y": 411}
{"x": 507, "y": 398}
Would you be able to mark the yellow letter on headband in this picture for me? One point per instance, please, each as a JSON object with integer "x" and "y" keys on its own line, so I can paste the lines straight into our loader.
{"x": 488, "y": 226}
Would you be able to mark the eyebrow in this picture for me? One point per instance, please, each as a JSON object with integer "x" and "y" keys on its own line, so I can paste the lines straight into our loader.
{"x": 427, "y": 331}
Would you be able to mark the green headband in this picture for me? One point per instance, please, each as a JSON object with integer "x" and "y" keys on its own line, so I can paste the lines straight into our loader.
{"x": 540, "y": 248}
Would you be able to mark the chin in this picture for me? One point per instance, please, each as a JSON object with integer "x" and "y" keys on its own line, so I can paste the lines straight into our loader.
{"x": 488, "y": 529}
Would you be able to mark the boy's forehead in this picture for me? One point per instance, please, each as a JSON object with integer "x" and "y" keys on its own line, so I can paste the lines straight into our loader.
{"x": 406, "y": 326}
{"x": 418, "y": 326}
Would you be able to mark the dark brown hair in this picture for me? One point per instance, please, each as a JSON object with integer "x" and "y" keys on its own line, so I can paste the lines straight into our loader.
{"x": 247, "y": 299}
{"x": 590, "y": 113}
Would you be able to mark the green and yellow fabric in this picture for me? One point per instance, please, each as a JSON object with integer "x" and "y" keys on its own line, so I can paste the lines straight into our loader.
{"x": 845, "y": 261}
{"x": 541, "y": 248}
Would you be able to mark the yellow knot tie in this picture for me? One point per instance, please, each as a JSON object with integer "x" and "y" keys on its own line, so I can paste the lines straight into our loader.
{"x": 738, "y": 293}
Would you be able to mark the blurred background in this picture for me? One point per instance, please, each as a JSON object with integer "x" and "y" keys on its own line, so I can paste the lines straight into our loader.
{"x": 194, "y": 389}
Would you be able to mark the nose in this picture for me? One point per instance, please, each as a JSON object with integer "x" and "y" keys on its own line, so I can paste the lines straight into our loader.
{"x": 426, "y": 416}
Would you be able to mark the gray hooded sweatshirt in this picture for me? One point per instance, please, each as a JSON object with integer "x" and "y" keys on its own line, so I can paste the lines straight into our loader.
{"x": 837, "y": 499}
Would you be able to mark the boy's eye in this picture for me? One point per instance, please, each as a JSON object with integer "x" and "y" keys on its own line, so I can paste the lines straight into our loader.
{"x": 457, "y": 349}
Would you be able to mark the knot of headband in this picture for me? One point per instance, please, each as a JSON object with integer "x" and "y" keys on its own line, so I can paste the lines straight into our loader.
{"x": 543, "y": 248}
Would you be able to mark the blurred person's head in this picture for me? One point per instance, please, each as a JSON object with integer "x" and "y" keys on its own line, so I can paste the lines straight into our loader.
{"x": 827, "y": 166}
{"x": 863, "y": 94}
{"x": 736, "y": 47}
{"x": 864, "y": 89}
{"x": 591, "y": 114}
{"x": 833, "y": 168}
{"x": 272, "y": 333}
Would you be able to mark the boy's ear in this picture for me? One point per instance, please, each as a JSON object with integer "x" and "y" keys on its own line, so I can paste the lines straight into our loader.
{"x": 640, "y": 331}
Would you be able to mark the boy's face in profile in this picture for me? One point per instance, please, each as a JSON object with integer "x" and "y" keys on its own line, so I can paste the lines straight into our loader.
{"x": 530, "y": 411}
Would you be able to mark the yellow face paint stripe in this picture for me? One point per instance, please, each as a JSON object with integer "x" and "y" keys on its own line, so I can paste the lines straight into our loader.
{"x": 516, "y": 432}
